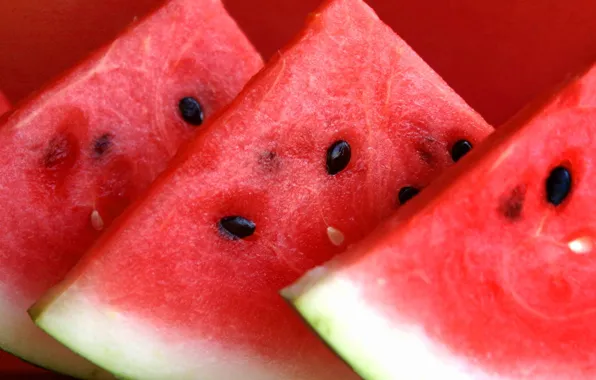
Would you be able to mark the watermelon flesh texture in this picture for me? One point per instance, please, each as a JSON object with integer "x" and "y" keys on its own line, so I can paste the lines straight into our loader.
{"x": 76, "y": 155}
{"x": 169, "y": 294}
{"x": 481, "y": 277}
{"x": 497, "y": 54}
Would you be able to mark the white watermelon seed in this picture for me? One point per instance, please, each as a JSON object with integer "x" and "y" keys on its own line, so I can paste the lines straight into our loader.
{"x": 581, "y": 245}
{"x": 96, "y": 220}
{"x": 335, "y": 236}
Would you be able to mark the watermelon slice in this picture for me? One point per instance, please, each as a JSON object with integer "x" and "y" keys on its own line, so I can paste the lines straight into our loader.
{"x": 312, "y": 155}
{"x": 76, "y": 155}
{"x": 497, "y": 54}
{"x": 488, "y": 274}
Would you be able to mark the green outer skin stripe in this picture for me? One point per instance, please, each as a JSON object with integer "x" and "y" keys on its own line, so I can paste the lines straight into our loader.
{"x": 312, "y": 305}
{"x": 132, "y": 348}
{"x": 41, "y": 320}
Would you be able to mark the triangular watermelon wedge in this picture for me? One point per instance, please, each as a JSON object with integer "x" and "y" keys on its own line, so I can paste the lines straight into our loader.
{"x": 76, "y": 155}
{"x": 489, "y": 273}
{"x": 339, "y": 129}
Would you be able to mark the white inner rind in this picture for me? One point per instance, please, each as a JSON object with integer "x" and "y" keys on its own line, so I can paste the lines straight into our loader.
{"x": 136, "y": 349}
{"x": 377, "y": 347}
{"x": 27, "y": 341}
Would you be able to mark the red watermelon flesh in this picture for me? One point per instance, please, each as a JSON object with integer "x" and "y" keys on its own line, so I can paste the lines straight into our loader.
{"x": 76, "y": 155}
{"x": 185, "y": 285}
{"x": 497, "y": 54}
{"x": 489, "y": 273}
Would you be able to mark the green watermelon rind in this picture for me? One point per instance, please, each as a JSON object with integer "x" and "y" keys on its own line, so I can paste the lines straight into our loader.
{"x": 331, "y": 305}
{"x": 76, "y": 366}
{"x": 74, "y": 320}
{"x": 313, "y": 297}
{"x": 62, "y": 314}
{"x": 78, "y": 322}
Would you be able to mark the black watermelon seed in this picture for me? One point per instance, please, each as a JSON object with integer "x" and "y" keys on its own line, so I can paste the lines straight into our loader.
{"x": 558, "y": 185}
{"x": 407, "y": 193}
{"x": 191, "y": 111}
{"x": 338, "y": 157}
{"x": 102, "y": 144}
{"x": 460, "y": 149}
{"x": 236, "y": 227}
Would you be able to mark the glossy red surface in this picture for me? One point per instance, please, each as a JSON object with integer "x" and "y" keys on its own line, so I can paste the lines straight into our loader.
{"x": 82, "y": 150}
{"x": 166, "y": 266}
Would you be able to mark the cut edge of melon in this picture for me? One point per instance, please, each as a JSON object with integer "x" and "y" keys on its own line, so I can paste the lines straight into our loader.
{"x": 133, "y": 348}
{"x": 47, "y": 350}
{"x": 375, "y": 347}
{"x": 89, "y": 331}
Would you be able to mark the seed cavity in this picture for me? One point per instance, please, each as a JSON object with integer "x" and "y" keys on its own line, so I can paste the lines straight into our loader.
{"x": 236, "y": 227}
{"x": 338, "y": 157}
{"x": 425, "y": 156}
{"x": 335, "y": 236}
{"x": 60, "y": 152}
{"x": 102, "y": 145}
{"x": 406, "y": 193}
{"x": 97, "y": 221}
{"x": 191, "y": 111}
{"x": 512, "y": 204}
{"x": 460, "y": 149}
{"x": 269, "y": 161}
{"x": 558, "y": 185}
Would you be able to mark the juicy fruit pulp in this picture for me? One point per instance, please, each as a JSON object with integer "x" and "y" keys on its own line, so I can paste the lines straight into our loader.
{"x": 76, "y": 155}
{"x": 496, "y": 54}
{"x": 489, "y": 273}
{"x": 261, "y": 195}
